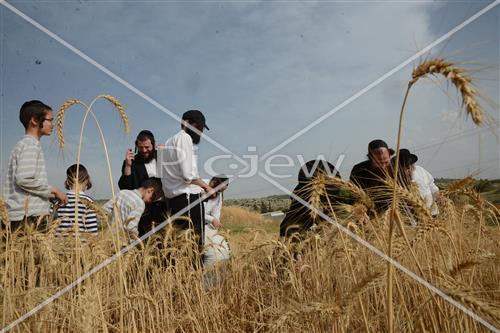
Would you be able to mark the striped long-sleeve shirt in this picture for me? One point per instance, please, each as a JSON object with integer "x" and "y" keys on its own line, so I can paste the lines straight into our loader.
{"x": 87, "y": 220}
{"x": 131, "y": 206}
{"x": 27, "y": 189}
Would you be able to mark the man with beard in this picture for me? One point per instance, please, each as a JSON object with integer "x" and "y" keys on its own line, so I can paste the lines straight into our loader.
{"x": 179, "y": 174}
{"x": 371, "y": 174}
{"x": 136, "y": 169}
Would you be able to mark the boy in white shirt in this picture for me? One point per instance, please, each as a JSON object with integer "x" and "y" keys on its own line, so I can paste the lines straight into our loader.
{"x": 216, "y": 246}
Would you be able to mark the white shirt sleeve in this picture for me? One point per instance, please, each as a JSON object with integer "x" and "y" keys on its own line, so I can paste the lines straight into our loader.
{"x": 209, "y": 218}
{"x": 217, "y": 207}
{"x": 133, "y": 219}
{"x": 26, "y": 175}
{"x": 185, "y": 150}
{"x": 213, "y": 208}
{"x": 108, "y": 206}
{"x": 434, "y": 188}
{"x": 430, "y": 181}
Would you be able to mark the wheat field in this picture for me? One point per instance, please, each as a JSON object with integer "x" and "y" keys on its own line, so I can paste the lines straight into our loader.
{"x": 325, "y": 283}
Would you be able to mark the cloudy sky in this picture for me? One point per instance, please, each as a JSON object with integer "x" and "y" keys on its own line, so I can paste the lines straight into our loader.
{"x": 260, "y": 71}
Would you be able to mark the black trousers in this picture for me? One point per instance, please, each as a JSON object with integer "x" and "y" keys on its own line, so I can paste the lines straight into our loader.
{"x": 154, "y": 214}
{"x": 196, "y": 213}
{"x": 40, "y": 222}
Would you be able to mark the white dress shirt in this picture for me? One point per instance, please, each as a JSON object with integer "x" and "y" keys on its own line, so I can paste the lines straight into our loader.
{"x": 177, "y": 166}
{"x": 151, "y": 168}
{"x": 426, "y": 186}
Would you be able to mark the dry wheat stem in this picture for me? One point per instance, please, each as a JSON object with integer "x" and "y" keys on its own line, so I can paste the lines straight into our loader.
{"x": 464, "y": 84}
{"x": 351, "y": 266}
{"x": 4, "y": 214}
{"x": 118, "y": 106}
{"x": 266, "y": 286}
{"x": 60, "y": 129}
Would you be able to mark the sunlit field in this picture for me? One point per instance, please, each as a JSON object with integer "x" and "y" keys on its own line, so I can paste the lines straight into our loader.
{"x": 323, "y": 280}
{"x": 325, "y": 283}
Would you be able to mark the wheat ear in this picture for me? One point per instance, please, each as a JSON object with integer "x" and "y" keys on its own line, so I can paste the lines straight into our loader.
{"x": 121, "y": 110}
{"x": 60, "y": 118}
{"x": 462, "y": 82}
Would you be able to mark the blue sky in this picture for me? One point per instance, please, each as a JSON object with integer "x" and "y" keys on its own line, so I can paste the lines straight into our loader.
{"x": 260, "y": 71}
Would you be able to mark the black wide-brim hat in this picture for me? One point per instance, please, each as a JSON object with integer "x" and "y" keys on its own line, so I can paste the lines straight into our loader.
{"x": 407, "y": 158}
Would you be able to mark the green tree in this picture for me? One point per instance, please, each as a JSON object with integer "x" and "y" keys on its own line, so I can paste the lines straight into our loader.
{"x": 263, "y": 208}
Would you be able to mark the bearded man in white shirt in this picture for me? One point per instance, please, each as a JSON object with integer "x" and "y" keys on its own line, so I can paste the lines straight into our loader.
{"x": 178, "y": 170}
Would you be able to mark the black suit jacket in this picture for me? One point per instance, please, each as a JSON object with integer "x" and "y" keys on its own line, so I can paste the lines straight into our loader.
{"x": 136, "y": 177}
{"x": 373, "y": 181}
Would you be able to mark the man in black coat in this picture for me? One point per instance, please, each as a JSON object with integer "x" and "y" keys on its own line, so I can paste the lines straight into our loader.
{"x": 298, "y": 219}
{"x": 371, "y": 175}
{"x": 140, "y": 166}
{"x": 136, "y": 169}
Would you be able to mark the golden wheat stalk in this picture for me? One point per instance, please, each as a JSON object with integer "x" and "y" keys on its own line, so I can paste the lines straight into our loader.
{"x": 4, "y": 214}
{"x": 489, "y": 309}
{"x": 300, "y": 309}
{"x": 412, "y": 198}
{"x": 357, "y": 191}
{"x": 463, "y": 265}
{"x": 317, "y": 192}
{"x": 462, "y": 82}
{"x": 258, "y": 293}
{"x": 121, "y": 110}
{"x": 102, "y": 216}
{"x": 73, "y": 101}
{"x": 119, "y": 107}
{"x": 364, "y": 283}
{"x": 67, "y": 104}
{"x": 423, "y": 229}
{"x": 469, "y": 94}
{"x": 460, "y": 184}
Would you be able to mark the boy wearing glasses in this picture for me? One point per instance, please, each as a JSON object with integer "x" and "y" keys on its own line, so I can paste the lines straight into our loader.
{"x": 27, "y": 191}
